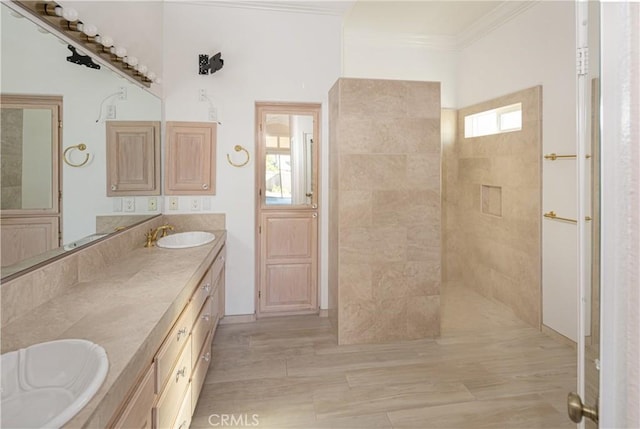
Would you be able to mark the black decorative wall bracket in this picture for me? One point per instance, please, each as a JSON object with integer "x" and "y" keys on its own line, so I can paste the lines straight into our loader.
{"x": 82, "y": 60}
{"x": 210, "y": 65}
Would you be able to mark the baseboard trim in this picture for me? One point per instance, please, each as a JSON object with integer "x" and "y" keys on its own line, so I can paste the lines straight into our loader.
{"x": 238, "y": 318}
{"x": 555, "y": 335}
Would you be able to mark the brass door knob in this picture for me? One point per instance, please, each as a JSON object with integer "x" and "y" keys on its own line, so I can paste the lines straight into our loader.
{"x": 577, "y": 409}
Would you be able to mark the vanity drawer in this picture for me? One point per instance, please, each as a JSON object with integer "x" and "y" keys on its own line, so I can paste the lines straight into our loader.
{"x": 183, "y": 421}
{"x": 200, "y": 295}
{"x": 200, "y": 371}
{"x": 201, "y": 328}
{"x": 171, "y": 398}
{"x": 170, "y": 349}
{"x": 218, "y": 264}
{"x": 137, "y": 413}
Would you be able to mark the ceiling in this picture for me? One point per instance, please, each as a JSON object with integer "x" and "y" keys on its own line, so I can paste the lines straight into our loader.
{"x": 426, "y": 18}
{"x": 448, "y": 24}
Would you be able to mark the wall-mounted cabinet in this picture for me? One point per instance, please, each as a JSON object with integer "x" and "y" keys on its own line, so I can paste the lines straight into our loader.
{"x": 190, "y": 167}
{"x": 133, "y": 158}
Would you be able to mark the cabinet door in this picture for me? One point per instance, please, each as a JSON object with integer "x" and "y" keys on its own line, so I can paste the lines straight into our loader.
{"x": 133, "y": 158}
{"x": 25, "y": 237}
{"x": 137, "y": 414}
{"x": 191, "y": 158}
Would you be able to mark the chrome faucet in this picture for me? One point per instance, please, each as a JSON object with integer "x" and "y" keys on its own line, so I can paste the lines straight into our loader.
{"x": 152, "y": 235}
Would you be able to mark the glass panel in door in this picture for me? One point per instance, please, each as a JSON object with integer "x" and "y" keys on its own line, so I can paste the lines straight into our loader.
{"x": 288, "y": 170}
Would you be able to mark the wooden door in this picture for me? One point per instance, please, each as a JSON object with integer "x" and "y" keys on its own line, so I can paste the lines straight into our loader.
{"x": 133, "y": 158}
{"x": 287, "y": 140}
{"x": 290, "y": 262}
{"x": 30, "y": 206}
{"x": 191, "y": 158}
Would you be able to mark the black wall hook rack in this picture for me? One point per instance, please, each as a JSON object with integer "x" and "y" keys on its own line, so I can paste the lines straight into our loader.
{"x": 83, "y": 60}
{"x": 210, "y": 65}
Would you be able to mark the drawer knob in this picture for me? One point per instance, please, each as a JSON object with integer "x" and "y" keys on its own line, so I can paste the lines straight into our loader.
{"x": 206, "y": 317}
{"x": 181, "y": 373}
{"x": 207, "y": 357}
{"x": 207, "y": 287}
{"x": 181, "y": 332}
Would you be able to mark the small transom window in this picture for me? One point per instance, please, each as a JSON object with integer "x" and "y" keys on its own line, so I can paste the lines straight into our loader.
{"x": 501, "y": 120}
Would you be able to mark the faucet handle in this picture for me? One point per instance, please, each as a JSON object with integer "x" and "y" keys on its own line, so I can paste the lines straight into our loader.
{"x": 166, "y": 227}
{"x": 150, "y": 237}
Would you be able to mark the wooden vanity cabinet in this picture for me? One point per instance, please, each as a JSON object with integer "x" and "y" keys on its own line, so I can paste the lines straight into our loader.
{"x": 137, "y": 413}
{"x": 133, "y": 158}
{"x": 190, "y": 167}
{"x": 168, "y": 393}
{"x": 179, "y": 388}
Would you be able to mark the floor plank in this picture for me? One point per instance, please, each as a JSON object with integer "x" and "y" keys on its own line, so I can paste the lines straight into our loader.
{"x": 488, "y": 369}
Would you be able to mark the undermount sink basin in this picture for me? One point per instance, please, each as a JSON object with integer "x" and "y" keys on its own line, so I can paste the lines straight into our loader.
{"x": 182, "y": 240}
{"x": 46, "y": 384}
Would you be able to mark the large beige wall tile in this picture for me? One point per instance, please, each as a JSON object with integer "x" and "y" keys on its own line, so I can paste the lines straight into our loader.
{"x": 423, "y": 317}
{"x": 497, "y": 254}
{"x": 385, "y": 242}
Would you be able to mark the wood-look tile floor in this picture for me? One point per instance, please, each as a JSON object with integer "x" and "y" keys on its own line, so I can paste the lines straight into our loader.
{"x": 487, "y": 370}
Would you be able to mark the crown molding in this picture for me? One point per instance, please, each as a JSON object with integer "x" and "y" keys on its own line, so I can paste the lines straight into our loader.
{"x": 436, "y": 43}
{"x": 497, "y": 17}
{"x": 334, "y": 8}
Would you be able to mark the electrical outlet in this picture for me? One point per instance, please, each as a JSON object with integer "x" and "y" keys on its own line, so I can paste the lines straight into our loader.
{"x": 129, "y": 204}
{"x": 202, "y": 95}
{"x": 152, "y": 204}
{"x": 195, "y": 204}
{"x": 122, "y": 93}
{"x": 111, "y": 111}
{"x": 213, "y": 114}
{"x": 173, "y": 203}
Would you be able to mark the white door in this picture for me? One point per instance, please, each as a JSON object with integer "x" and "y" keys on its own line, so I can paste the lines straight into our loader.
{"x": 620, "y": 256}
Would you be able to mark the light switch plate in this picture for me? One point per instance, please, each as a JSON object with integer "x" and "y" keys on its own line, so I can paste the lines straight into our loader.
{"x": 117, "y": 204}
{"x": 173, "y": 203}
{"x": 152, "y": 204}
{"x": 206, "y": 203}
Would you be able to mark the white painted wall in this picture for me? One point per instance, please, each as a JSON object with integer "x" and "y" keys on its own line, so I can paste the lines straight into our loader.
{"x": 269, "y": 56}
{"x": 35, "y": 63}
{"x": 380, "y": 56}
{"x": 538, "y": 48}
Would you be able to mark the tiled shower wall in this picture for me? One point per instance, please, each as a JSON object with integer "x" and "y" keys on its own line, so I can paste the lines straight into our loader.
{"x": 384, "y": 214}
{"x": 492, "y": 204}
{"x": 11, "y": 170}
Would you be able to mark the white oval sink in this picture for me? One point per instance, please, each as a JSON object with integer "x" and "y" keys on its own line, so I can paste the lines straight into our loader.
{"x": 182, "y": 240}
{"x": 46, "y": 384}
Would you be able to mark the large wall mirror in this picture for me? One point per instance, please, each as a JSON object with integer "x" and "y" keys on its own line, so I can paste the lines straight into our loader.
{"x": 34, "y": 66}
